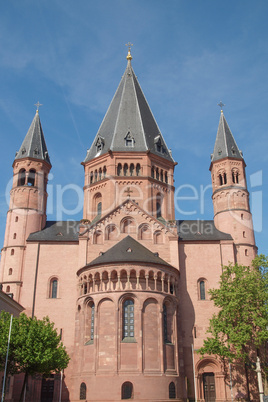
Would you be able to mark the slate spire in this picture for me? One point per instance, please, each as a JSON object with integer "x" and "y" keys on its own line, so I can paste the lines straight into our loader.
{"x": 129, "y": 124}
{"x": 34, "y": 145}
{"x": 225, "y": 145}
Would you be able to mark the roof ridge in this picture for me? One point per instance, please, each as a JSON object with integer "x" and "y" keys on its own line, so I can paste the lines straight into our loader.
{"x": 139, "y": 111}
{"x": 120, "y": 105}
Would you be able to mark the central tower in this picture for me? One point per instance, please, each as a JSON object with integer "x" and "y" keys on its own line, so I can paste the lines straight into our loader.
{"x": 129, "y": 157}
{"x": 127, "y": 302}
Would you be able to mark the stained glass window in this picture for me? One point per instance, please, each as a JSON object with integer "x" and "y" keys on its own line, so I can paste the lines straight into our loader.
{"x": 128, "y": 319}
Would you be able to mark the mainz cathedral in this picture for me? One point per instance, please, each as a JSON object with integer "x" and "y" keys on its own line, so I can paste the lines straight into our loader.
{"x": 127, "y": 285}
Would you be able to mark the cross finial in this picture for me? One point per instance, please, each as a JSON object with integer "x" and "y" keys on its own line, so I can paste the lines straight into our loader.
{"x": 38, "y": 104}
{"x": 128, "y": 191}
{"x": 129, "y": 57}
{"x": 221, "y": 104}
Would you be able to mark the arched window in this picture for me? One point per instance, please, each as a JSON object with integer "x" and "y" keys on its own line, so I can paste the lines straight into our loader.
{"x": 165, "y": 323}
{"x": 96, "y": 175}
{"x": 131, "y": 169}
{"x": 202, "y": 290}
{"x": 152, "y": 172}
{"x": 31, "y": 177}
{"x": 83, "y": 391}
{"x": 158, "y": 205}
{"x": 91, "y": 177}
{"x": 158, "y": 209}
{"x": 128, "y": 225}
{"x": 111, "y": 232}
{"x": 128, "y": 319}
{"x": 12, "y": 251}
{"x": 97, "y": 203}
{"x": 10, "y": 271}
{"x": 100, "y": 173}
{"x": 125, "y": 169}
{"x": 172, "y": 391}
{"x": 119, "y": 169}
{"x": 14, "y": 236}
{"x": 127, "y": 390}
{"x": 104, "y": 171}
{"x": 16, "y": 219}
{"x": 138, "y": 168}
{"x": 220, "y": 180}
{"x": 158, "y": 237}
{"x": 53, "y": 289}
{"x": 157, "y": 174}
{"x": 161, "y": 175}
{"x": 22, "y": 177}
{"x": 99, "y": 208}
{"x": 144, "y": 232}
{"x": 90, "y": 322}
{"x": 98, "y": 237}
{"x": 166, "y": 178}
{"x": 7, "y": 289}
{"x": 235, "y": 176}
{"x": 224, "y": 178}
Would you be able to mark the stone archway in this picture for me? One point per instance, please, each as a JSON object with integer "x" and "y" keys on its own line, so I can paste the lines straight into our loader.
{"x": 209, "y": 380}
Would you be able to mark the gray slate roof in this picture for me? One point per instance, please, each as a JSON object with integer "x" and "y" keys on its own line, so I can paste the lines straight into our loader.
{"x": 128, "y": 250}
{"x": 196, "y": 230}
{"x": 61, "y": 231}
{"x": 34, "y": 145}
{"x": 128, "y": 115}
{"x": 225, "y": 145}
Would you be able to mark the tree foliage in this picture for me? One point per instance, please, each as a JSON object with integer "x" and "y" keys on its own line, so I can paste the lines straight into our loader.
{"x": 35, "y": 347}
{"x": 241, "y": 323}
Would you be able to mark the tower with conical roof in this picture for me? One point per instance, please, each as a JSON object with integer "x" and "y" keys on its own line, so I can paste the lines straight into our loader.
{"x": 230, "y": 194}
{"x": 27, "y": 208}
{"x": 126, "y": 319}
{"x": 129, "y": 157}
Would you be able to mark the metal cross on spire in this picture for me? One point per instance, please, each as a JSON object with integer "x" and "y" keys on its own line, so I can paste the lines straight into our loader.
{"x": 129, "y": 44}
{"x": 221, "y": 104}
{"x": 129, "y": 57}
{"x": 38, "y": 104}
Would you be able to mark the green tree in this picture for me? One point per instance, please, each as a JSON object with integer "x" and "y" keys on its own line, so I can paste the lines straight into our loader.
{"x": 35, "y": 347}
{"x": 240, "y": 325}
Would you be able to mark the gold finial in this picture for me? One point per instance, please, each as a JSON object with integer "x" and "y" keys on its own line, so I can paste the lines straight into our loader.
{"x": 38, "y": 104}
{"x": 129, "y": 57}
{"x": 221, "y": 106}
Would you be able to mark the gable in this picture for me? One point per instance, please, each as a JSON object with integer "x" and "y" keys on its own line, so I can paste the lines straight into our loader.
{"x": 127, "y": 220}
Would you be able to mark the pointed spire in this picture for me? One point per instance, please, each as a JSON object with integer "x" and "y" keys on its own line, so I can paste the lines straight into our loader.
{"x": 34, "y": 145}
{"x": 225, "y": 145}
{"x": 129, "y": 124}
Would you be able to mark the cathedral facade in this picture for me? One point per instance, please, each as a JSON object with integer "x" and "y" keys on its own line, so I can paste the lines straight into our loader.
{"x": 127, "y": 286}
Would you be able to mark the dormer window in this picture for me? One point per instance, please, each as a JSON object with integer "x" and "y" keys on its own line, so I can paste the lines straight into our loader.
{"x": 159, "y": 146}
{"x": 129, "y": 140}
{"x": 23, "y": 151}
{"x": 99, "y": 144}
{"x": 233, "y": 150}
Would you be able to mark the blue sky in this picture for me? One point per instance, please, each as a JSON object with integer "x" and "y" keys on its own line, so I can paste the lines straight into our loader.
{"x": 187, "y": 54}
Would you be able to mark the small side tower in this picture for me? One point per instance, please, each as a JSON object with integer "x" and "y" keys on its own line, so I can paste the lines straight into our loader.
{"x": 27, "y": 208}
{"x": 230, "y": 194}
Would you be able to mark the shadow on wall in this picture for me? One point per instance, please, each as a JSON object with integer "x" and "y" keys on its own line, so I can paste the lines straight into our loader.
{"x": 41, "y": 389}
{"x": 187, "y": 320}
